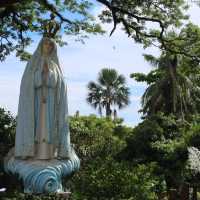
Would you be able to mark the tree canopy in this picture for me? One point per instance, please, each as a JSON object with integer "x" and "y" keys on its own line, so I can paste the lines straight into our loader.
{"x": 173, "y": 85}
{"x": 20, "y": 19}
{"x": 146, "y": 22}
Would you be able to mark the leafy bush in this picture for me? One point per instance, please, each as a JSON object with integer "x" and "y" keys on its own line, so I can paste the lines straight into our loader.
{"x": 94, "y": 137}
{"x": 7, "y": 131}
{"x": 7, "y": 135}
{"x": 160, "y": 139}
{"x": 108, "y": 179}
{"x": 98, "y": 141}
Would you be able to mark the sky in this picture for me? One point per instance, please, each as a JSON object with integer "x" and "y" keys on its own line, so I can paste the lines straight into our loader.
{"x": 81, "y": 64}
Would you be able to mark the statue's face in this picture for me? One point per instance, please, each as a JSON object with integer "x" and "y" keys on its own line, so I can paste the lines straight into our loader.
{"x": 47, "y": 47}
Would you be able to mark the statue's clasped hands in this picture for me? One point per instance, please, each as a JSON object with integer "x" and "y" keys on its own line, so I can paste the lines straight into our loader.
{"x": 45, "y": 71}
{"x": 44, "y": 100}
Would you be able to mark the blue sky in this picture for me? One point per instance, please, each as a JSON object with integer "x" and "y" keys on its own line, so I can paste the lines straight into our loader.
{"x": 81, "y": 64}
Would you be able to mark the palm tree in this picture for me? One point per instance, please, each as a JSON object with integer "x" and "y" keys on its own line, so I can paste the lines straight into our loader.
{"x": 109, "y": 90}
{"x": 172, "y": 90}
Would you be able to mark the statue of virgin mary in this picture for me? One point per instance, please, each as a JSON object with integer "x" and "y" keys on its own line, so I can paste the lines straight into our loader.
{"x": 42, "y": 124}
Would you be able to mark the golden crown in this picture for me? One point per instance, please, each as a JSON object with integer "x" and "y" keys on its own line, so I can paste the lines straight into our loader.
{"x": 51, "y": 27}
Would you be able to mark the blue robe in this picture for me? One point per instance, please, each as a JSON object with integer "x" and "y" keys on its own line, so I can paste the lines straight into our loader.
{"x": 49, "y": 90}
{"x": 56, "y": 113}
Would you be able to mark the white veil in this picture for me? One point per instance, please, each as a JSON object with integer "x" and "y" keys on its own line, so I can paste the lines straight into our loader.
{"x": 25, "y": 131}
{"x": 36, "y": 57}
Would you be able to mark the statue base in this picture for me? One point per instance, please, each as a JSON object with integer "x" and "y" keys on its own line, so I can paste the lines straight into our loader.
{"x": 41, "y": 176}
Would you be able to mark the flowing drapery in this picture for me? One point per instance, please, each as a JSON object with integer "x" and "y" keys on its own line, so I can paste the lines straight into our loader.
{"x": 25, "y": 131}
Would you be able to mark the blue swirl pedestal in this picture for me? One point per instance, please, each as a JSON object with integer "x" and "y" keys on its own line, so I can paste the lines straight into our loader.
{"x": 41, "y": 176}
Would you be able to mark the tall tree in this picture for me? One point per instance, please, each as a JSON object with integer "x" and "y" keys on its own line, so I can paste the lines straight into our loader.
{"x": 170, "y": 90}
{"x": 159, "y": 140}
{"x": 173, "y": 85}
{"x": 109, "y": 90}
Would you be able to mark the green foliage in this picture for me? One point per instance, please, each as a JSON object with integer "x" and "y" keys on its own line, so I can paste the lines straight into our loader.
{"x": 7, "y": 135}
{"x": 159, "y": 139}
{"x": 94, "y": 137}
{"x": 151, "y": 77}
{"x": 187, "y": 38}
{"x": 157, "y": 149}
{"x": 193, "y": 134}
{"x": 98, "y": 141}
{"x": 136, "y": 17}
{"x": 170, "y": 104}
{"x": 21, "y": 18}
{"x": 173, "y": 87}
{"x": 106, "y": 179}
{"x": 7, "y": 132}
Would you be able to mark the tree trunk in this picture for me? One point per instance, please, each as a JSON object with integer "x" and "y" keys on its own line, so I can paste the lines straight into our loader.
{"x": 184, "y": 192}
{"x": 172, "y": 71}
{"x": 108, "y": 110}
{"x": 172, "y": 193}
{"x": 194, "y": 195}
{"x": 115, "y": 114}
{"x": 172, "y": 190}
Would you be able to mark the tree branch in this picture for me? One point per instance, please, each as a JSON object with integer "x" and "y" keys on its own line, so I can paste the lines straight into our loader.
{"x": 53, "y": 9}
{"x": 115, "y": 9}
{"x": 139, "y": 34}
